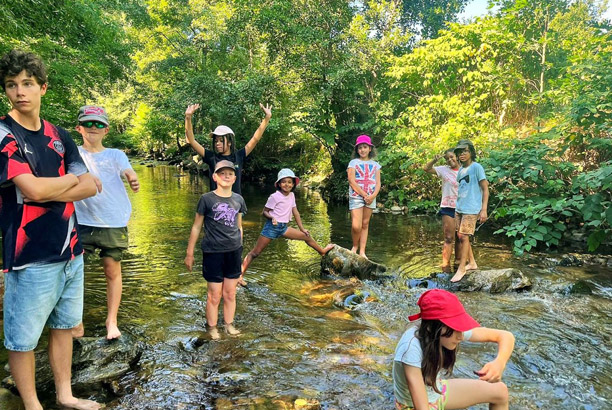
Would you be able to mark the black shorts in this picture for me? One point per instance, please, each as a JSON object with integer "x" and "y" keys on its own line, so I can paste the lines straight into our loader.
{"x": 219, "y": 265}
{"x": 447, "y": 211}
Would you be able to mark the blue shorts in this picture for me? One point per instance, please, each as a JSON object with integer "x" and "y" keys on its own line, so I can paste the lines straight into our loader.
{"x": 447, "y": 211}
{"x": 219, "y": 265}
{"x": 358, "y": 202}
{"x": 274, "y": 231}
{"x": 48, "y": 294}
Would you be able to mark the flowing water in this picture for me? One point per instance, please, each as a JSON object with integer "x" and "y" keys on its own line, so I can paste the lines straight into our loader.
{"x": 296, "y": 344}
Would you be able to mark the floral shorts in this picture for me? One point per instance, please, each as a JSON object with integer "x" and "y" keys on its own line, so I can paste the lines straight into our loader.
{"x": 439, "y": 404}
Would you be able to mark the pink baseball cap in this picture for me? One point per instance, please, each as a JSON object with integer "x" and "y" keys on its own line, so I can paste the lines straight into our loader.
{"x": 444, "y": 306}
{"x": 364, "y": 139}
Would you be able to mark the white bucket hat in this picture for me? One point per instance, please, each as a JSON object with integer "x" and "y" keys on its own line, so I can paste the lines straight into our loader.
{"x": 287, "y": 173}
{"x": 223, "y": 130}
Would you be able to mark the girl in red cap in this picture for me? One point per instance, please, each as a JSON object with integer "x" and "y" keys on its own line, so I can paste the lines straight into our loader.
{"x": 424, "y": 351}
{"x": 364, "y": 184}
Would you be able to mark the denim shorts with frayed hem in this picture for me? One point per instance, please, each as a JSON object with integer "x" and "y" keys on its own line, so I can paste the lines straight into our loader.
{"x": 46, "y": 294}
{"x": 274, "y": 231}
{"x": 358, "y": 202}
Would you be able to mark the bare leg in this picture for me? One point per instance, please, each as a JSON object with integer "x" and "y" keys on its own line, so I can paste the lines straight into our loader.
{"x": 294, "y": 234}
{"x": 471, "y": 262}
{"x": 463, "y": 393}
{"x": 112, "y": 270}
{"x": 464, "y": 249}
{"x": 60, "y": 359}
{"x": 213, "y": 299}
{"x": 448, "y": 227}
{"x": 262, "y": 243}
{"x": 365, "y": 227}
{"x": 22, "y": 370}
{"x": 229, "y": 305}
{"x": 356, "y": 223}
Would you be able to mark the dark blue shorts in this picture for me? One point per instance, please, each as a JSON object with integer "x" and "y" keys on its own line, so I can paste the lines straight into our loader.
{"x": 447, "y": 211}
{"x": 274, "y": 231}
{"x": 219, "y": 265}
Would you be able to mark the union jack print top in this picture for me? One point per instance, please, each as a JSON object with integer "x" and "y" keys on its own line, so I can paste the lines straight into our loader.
{"x": 365, "y": 175}
{"x": 36, "y": 232}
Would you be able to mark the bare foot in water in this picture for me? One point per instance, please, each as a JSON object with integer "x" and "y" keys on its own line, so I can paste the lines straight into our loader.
{"x": 79, "y": 404}
{"x": 78, "y": 331}
{"x": 445, "y": 268}
{"x": 112, "y": 331}
{"x": 471, "y": 266}
{"x": 458, "y": 275}
{"x": 214, "y": 332}
{"x": 231, "y": 330}
{"x": 328, "y": 248}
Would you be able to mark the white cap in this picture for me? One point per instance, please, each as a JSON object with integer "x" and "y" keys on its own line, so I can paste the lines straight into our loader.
{"x": 223, "y": 130}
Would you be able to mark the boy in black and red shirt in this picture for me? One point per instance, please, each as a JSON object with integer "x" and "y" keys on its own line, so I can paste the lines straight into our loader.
{"x": 41, "y": 174}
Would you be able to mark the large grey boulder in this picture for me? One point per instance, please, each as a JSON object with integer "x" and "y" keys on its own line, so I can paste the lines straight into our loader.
{"x": 343, "y": 262}
{"x": 95, "y": 361}
{"x": 492, "y": 281}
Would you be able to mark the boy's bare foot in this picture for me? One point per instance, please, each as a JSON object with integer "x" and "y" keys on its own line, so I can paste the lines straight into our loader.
{"x": 328, "y": 248}
{"x": 79, "y": 404}
{"x": 78, "y": 330}
{"x": 112, "y": 331}
{"x": 354, "y": 249}
{"x": 445, "y": 268}
{"x": 363, "y": 255}
{"x": 231, "y": 330}
{"x": 214, "y": 332}
{"x": 458, "y": 275}
{"x": 471, "y": 266}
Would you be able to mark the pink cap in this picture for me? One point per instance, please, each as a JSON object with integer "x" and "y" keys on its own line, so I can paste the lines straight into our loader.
{"x": 364, "y": 139}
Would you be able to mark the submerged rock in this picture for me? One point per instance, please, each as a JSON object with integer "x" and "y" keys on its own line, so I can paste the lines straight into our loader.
{"x": 492, "y": 281}
{"x": 95, "y": 361}
{"x": 343, "y": 262}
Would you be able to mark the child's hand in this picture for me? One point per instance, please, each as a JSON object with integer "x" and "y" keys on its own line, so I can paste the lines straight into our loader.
{"x": 274, "y": 221}
{"x": 491, "y": 372}
{"x": 191, "y": 108}
{"x": 267, "y": 110}
{"x": 305, "y": 232}
{"x": 368, "y": 199}
{"x": 134, "y": 184}
{"x": 189, "y": 262}
{"x": 482, "y": 216}
{"x": 98, "y": 183}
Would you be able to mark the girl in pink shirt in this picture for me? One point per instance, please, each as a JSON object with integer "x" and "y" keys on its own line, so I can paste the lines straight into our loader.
{"x": 278, "y": 210}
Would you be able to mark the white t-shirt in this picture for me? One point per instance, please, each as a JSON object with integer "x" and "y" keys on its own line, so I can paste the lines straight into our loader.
{"x": 110, "y": 208}
{"x": 409, "y": 351}
{"x": 281, "y": 206}
{"x": 365, "y": 175}
{"x": 449, "y": 185}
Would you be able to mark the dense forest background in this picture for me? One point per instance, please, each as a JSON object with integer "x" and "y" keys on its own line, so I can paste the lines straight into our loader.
{"x": 530, "y": 85}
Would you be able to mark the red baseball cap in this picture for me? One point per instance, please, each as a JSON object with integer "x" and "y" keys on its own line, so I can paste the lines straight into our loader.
{"x": 444, "y": 306}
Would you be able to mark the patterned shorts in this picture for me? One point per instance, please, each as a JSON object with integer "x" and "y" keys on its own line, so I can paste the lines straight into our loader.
{"x": 439, "y": 404}
{"x": 465, "y": 223}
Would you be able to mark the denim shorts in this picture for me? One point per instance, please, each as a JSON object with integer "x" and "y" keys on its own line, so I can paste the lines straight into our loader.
{"x": 358, "y": 202}
{"x": 48, "y": 294}
{"x": 274, "y": 231}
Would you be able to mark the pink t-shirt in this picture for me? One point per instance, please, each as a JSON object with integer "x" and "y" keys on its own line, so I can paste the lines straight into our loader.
{"x": 449, "y": 185}
{"x": 281, "y": 206}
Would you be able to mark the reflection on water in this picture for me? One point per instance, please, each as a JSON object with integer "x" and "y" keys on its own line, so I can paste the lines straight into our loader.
{"x": 297, "y": 343}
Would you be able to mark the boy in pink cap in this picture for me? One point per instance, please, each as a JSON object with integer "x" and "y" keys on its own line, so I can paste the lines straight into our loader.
{"x": 424, "y": 351}
{"x": 364, "y": 185}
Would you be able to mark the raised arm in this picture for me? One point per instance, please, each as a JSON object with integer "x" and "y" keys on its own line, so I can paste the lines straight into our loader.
{"x": 492, "y": 372}
{"x": 429, "y": 167}
{"x": 189, "y": 129}
{"x": 250, "y": 146}
{"x": 193, "y": 239}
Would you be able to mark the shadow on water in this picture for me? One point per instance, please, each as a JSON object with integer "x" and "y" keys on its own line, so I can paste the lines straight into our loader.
{"x": 296, "y": 343}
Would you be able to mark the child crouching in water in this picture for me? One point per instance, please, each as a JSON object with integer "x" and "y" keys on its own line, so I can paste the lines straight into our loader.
{"x": 279, "y": 210}
{"x": 221, "y": 213}
{"x": 424, "y": 351}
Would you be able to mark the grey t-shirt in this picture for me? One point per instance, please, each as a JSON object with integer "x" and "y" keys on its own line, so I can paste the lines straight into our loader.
{"x": 222, "y": 233}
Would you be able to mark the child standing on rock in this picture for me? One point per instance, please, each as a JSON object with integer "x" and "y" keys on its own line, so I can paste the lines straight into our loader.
{"x": 278, "y": 210}
{"x": 103, "y": 218}
{"x": 364, "y": 185}
{"x": 472, "y": 202}
{"x": 220, "y": 211}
